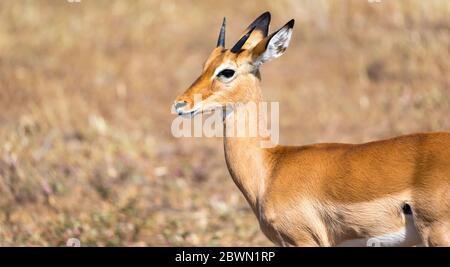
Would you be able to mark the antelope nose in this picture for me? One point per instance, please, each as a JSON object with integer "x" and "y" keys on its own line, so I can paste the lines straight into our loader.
{"x": 179, "y": 105}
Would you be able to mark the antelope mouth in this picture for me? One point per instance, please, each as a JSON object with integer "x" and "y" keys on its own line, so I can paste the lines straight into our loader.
{"x": 197, "y": 110}
{"x": 189, "y": 113}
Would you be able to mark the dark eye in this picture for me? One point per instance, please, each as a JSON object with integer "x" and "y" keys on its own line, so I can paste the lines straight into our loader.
{"x": 226, "y": 73}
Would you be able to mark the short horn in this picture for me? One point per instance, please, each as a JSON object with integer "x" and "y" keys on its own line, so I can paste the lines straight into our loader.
{"x": 221, "y": 40}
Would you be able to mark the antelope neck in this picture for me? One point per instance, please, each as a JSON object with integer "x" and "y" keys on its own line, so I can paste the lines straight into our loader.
{"x": 244, "y": 157}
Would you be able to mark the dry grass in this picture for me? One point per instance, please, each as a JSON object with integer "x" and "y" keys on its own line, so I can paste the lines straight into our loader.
{"x": 86, "y": 89}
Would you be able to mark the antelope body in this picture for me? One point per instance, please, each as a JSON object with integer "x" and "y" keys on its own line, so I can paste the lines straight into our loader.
{"x": 395, "y": 192}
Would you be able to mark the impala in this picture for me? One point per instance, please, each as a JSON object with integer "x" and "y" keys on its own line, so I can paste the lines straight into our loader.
{"x": 393, "y": 192}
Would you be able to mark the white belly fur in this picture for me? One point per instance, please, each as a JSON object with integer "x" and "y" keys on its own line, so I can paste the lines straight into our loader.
{"x": 407, "y": 236}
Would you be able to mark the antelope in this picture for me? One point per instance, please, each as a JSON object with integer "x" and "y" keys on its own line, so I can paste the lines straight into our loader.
{"x": 393, "y": 192}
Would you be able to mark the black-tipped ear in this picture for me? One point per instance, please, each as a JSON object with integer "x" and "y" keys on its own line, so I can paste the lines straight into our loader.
{"x": 273, "y": 45}
{"x": 261, "y": 23}
{"x": 290, "y": 23}
{"x": 254, "y": 33}
{"x": 221, "y": 39}
{"x": 238, "y": 46}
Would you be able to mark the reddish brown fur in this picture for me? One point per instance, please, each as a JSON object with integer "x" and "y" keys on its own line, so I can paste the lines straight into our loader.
{"x": 324, "y": 194}
{"x": 344, "y": 174}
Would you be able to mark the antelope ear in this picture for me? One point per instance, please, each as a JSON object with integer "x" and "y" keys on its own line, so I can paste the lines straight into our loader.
{"x": 273, "y": 45}
{"x": 256, "y": 32}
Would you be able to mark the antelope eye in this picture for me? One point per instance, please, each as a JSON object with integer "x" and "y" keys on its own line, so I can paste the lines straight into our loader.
{"x": 226, "y": 73}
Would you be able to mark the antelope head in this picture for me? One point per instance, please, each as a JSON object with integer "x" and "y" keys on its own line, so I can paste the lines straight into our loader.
{"x": 229, "y": 74}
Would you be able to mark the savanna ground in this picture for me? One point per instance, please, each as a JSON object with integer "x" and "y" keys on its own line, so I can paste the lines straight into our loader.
{"x": 86, "y": 89}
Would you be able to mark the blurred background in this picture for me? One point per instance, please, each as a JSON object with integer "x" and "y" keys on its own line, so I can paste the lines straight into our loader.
{"x": 86, "y": 89}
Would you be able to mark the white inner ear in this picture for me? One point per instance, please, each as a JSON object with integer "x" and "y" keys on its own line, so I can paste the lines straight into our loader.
{"x": 276, "y": 46}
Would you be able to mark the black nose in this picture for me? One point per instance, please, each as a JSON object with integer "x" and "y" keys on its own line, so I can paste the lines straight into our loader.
{"x": 178, "y": 105}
